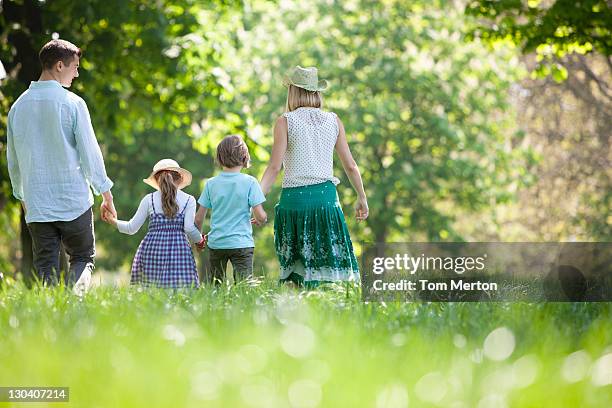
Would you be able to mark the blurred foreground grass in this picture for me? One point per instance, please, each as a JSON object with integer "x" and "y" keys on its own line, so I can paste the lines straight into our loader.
{"x": 259, "y": 345}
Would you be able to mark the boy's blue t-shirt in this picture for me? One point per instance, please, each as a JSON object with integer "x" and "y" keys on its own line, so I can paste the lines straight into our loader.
{"x": 231, "y": 196}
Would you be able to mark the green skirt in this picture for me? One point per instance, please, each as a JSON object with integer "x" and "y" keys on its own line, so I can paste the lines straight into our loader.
{"x": 311, "y": 238}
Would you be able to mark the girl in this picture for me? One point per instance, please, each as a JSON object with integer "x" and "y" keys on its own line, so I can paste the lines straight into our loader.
{"x": 311, "y": 238}
{"x": 164, "y": 258}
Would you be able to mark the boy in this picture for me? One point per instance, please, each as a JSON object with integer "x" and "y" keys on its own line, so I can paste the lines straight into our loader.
{"x": 231, "y": 195}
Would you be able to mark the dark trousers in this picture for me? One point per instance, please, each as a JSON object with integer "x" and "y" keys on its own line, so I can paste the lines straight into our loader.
{"x": 241, "y": 259}
{"x": 77, "y": 237}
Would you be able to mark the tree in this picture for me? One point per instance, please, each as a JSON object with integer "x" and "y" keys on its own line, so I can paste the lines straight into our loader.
{"x": 552, "y": 29}
{"x": 565, "y": 109}
{"x": 144, "y": 74}
{"x": 567, "y": 125}
{"x": 424, "y": 112}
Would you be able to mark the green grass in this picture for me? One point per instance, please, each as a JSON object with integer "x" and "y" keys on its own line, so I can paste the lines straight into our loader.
{"x": 264, "y": 346}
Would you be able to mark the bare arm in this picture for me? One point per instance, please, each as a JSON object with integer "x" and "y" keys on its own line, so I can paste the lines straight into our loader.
{"x": 199, "y": 217}
{"x": 260, "y": 215}
{"x": 352, "y": 171}
{"x": 278, "y": 153}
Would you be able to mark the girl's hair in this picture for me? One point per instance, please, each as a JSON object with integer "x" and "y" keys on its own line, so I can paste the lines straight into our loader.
{"x": 298, "y": 97}
{"x": 233, "y": 152}
{"x": 167, "y": 181}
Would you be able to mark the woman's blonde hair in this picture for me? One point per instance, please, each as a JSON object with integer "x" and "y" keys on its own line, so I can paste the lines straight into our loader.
{"x": 299, "y": 98}
{"x": 168, "y": 181}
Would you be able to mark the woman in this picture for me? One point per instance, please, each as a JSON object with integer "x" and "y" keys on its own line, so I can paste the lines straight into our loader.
{"x": 310, "y": 234}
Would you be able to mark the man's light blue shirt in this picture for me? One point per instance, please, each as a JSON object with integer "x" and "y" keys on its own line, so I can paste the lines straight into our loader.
{"x": 231, "y": 197}
{"x": 53, "y": 155}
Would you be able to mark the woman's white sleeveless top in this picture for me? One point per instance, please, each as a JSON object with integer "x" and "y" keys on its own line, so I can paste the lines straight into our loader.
{"x": 311, "y": 139}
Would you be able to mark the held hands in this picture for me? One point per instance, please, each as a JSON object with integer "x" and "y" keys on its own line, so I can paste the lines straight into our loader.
{"x": 107, "y": 209}
{"x": 202, "y": 244}
{"x": 361, "y": 209}
{"x": 108, "y": 217}
{"x": 258, "y": 223}
{"x": 260, "y": 217}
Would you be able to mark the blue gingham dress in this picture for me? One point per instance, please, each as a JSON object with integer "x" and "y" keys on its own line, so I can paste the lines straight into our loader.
{"x": 164, "y": 258}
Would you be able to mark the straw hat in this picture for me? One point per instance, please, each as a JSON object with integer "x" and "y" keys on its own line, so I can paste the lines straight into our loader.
{"x": 168, "y": 164}
{"x": 305, "y": 78}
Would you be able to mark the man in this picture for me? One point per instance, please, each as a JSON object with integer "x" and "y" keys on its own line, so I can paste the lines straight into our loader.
{"x": 53, "y": 159}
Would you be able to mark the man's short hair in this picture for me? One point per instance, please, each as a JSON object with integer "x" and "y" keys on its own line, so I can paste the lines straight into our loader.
{"x": 58, "y": 50}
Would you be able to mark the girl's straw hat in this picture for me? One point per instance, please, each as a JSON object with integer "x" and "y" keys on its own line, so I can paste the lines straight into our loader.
{"x": 306, "y": 78}
{"x": 168, "y": 164}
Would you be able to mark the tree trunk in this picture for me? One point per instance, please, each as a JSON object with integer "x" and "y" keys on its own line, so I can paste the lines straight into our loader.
{"x": 380, "y": 234}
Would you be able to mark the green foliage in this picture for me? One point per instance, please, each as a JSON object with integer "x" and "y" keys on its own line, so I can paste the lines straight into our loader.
{"x": 146, "y": 74}
{"x": 567, "y": 124}
{"x": 259, "y": 345}
{"x": 550, "y": 28}
{"x": 425, "y": 113}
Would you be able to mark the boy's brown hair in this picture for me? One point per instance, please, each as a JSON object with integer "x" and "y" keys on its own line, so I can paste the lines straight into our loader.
{"x": 57, "y": 50}
{"x": 233, "y": 152}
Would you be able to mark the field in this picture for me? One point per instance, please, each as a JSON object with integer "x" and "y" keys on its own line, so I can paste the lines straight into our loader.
{"x": 256, "y": 344}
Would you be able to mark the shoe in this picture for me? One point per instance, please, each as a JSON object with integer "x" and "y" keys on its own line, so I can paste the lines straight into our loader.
{"x": 82, "y": 285}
